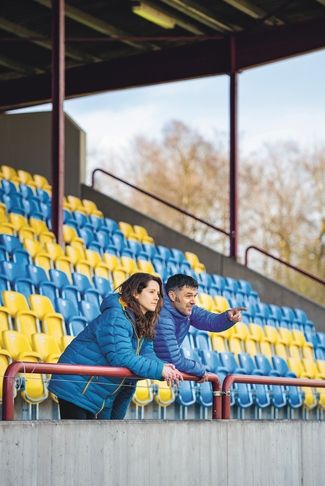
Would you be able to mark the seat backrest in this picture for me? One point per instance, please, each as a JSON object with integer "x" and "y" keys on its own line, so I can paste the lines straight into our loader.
{"x": 14, "y": 301}
{"x": 45, "y": 345}
{"x": 41, "y": 305}
{"x": 15, "y": 343}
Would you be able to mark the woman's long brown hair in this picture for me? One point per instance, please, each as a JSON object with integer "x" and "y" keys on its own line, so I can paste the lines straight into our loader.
{"x": 145, "y": 324}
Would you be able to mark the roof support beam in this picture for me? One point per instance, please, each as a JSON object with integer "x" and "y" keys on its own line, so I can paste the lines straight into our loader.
{"x": 192, "y": 61}
{"x": 19, "y": 67}
{"x": 98, "y": 25}
{"x": 24, "y": 32}
{"x": 253, "y": 11}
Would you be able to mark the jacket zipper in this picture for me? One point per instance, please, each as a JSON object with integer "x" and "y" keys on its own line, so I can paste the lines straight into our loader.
{"x": 139, "y": 345}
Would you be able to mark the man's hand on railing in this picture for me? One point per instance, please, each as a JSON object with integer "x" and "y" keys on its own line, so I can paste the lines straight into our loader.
{"x": 171, "y": 374}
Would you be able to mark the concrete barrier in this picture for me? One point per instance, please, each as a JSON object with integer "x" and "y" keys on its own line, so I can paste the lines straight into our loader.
{"x": 151, "y": 453}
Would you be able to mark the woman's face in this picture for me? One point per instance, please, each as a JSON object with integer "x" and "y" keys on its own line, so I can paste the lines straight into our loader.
{"x": 148, "y": 298}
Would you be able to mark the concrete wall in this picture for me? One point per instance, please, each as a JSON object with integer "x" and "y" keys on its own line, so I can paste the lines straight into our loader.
{"x": 25, "y": 143}
{"x": 150, "y": 453}
{"x": 270, "y": 291}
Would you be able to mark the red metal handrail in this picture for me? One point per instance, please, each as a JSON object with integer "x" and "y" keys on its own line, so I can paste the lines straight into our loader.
{"x": 68, "y": 369}
{"x": 293, "y": 267}
{"x": 159, "y": 199}
{"x": 261, "y": 380}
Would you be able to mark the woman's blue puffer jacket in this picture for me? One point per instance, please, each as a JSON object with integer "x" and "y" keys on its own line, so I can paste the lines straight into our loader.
{"x": 109, "y": 340}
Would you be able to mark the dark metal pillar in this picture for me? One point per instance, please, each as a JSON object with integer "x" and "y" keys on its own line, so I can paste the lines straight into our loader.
{"x": 233, "y": 203}
{"x": 58, "y": 90}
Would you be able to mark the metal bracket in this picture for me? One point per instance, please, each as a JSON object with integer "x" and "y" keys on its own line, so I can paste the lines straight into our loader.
{"x": 221, "y": 393}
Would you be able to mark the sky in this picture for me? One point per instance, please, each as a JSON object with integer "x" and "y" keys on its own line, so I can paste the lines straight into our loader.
{"x": 277, "y": 102}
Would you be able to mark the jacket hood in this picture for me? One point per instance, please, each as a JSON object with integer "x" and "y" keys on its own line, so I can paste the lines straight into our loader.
{"x": 112, "y": 300}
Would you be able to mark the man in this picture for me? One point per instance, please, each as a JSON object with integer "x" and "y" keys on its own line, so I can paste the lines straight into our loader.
{"x": 178, "y": 314}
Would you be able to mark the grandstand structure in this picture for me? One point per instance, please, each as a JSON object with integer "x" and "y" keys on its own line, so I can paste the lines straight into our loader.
{"x": 52, "y": 286}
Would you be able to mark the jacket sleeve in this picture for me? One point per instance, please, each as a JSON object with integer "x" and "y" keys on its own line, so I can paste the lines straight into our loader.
{"x": 209, "y": 321}
{"x": 167, "y": 348}
{"x": 115, "y": 342}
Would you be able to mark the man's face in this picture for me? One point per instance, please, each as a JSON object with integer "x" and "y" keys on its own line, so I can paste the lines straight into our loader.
{"x": 183, "y": 299}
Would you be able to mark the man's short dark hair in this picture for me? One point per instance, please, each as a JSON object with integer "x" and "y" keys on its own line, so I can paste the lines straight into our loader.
{"x": 178, "y": 281}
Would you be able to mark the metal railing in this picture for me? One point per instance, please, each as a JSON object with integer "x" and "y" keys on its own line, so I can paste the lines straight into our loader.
{"x": 157, "y": 198}
{"x": 68, "y": 369}
{"x": 287, "y": 264}
{"x": 261, "y": 380}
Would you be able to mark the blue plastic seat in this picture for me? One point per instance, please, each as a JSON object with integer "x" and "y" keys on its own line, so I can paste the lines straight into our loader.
{"x": 48, "y": 289}
{"x": 178, "y": 255}
{"x": 32, "y": 207}
{"x": 248, "y": 364}
{"x": 96, "y": 222}
{"x": 89, "y": 311}
{"x": 81, "y": 281}
{"x": 70, "y": 293}
{"x": 320, "y": 353}
{"x": 202, "y": 340}
{"x": 103, "y": 285}
{"x": 150, "y": 249}
{"x": 278, "y": 396}
{"x": 103, "y": 239}
{"x": 43, "y": 195}
{"x": 228, "y": 361}
{"x": 281, "y": 366}
{"x": 118, "y": 239}
{"x": 294, "y": 396}
{"x": 81, "y": 219}
{"x": 88, "y": 236}
{"x": 165, "y": 253}
{"x": 300, "y": 315}
{"x": 135, "y": 247}
{"x": 67, "y": 308}
{"x": 231, "y": 284}
{"x": 204, "y": 394}
{"x": 320, "y": 340}
{"x": 4, "y": 283}
{"x": 8, "y": 187}
{"x": 76, "y": 325}
{"x": 262, "y": 395}
{"x": 60, "y": 279}
{"x": 10, "y": 243}
{"x": 14, "y": 271}
{"x": 26, "y": 191}
{"x": 111, "y": 224}
{"x": 211, "y": 360}
{"x": 45, "y": 210}
{"x": 21, "y": 257}
{"x": 185, "y": 396}
{"x": 264, "y": 365}
{"x": 93, "y": 296}
{"x": 24, "y": 286}
{"x": 37, "y": 274}
{"x": 68, "y": 216}
{"x": 243, "y": 395}
{"x": 14, "y": 203}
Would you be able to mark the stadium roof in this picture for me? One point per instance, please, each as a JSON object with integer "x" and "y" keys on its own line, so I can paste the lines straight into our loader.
{"x": 118, "y": 43}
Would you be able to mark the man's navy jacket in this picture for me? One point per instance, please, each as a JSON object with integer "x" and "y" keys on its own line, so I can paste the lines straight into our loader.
{"x": 171, "y": 331}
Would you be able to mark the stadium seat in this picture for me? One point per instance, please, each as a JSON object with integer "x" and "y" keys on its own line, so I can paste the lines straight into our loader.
{"x": 52, "y": 322}
{"x": 5, "y": 360}
{"x": 20, "y": 349}
{"x": 25, "y": 319}
{"x": 143, "y": 395}
{"x": 47, "y": 347}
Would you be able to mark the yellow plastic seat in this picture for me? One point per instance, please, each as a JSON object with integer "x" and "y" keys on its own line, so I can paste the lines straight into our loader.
{"x": 52, "y": 322}
{"x": 5, "y": 361}
{"x": 165, "y": 395}
{"x": 41, "y": 182}
{"x": 285, "y": 335}
{"x": 54, "y": 250}
{"x": 20, "y": 349}
{"x": 25, "y": 177}
{"x": 235, "y": 345}
{"x": 47, "y": 347}
{"x": 3, "y": 213}
{"x": 25, "y": 319}
{"x": 255, "y": 332}
{"x": 38, "y": 225}
{"x": 91, "y": 208}
{"x": 5, "y": 319}
{"x": 65, "y": 341}
{"x": 128, "y": 231}
{"x": 129, "y": 265}
{"x": 221, "y": 304}
{"x": 46, "y": 237}
{"x": 310, "y": 367}
{"x": 69, "y": 234}
{"x": 194, "y": 261}
{"x": 143, "y": 393}
{"x": 38, "y": 253}
{"x": 44, "y": 261}
{"x": 240, "y": 331}
{"x": 266, "y": 349}
{"x": 17, "y": 220}
{"x": 251, "y": 347}
{"x": 95, "y": 260}
{"x": 308, "y": 352}
{"x": 102, "y": 272}
{"x": 147, "y": 267}
{"x": 294, "y": 351}
{"x": 142, "y": 234}
{"x": 26, "y": 233}
{"x": 320, "y": 366}
{"x": 75, "y": 203}
{"x": 281, "y": 350}
{"x": 218, "y": 342}
{"x": 205, "y": 301}
{"x": 296, "y": 366}
{"x": 271, "y": 335}
{"x": 9, "y": 172}
{"x": 64, "y": 264}
{"x": 7, "y": 229}
{"x": 112, "y": 261}
{"x": 118, "y": 277}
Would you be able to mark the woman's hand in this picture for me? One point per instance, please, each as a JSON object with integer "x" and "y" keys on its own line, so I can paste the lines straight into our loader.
{"x": 171, "y": 374}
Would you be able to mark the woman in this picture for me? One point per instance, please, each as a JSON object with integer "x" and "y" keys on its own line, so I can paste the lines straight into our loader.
{"x": 120, "y": 336}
